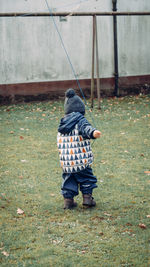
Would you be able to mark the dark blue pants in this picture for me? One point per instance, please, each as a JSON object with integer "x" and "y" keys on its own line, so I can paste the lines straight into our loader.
{"x": 71, "y": 181}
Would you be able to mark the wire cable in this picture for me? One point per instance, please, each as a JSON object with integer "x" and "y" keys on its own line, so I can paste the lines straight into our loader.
{"x": 69, "y": 60}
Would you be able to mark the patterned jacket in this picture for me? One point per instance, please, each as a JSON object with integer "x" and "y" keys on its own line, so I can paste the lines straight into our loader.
{"x": 73, "y": 143}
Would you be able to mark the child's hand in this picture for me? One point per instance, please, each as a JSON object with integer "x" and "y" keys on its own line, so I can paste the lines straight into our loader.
{"x": 96, "y": 134}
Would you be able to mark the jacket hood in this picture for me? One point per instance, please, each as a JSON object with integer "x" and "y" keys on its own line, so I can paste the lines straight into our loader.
{"x": 68, "y": 123}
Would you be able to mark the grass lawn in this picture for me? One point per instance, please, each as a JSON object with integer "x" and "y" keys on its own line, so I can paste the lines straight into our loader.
{"x": 34, "y": 228}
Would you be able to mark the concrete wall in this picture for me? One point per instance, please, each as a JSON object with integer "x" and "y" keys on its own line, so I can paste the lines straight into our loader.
{"x": 134, "y": 39}
{"x": 31, "y": 50}
{"x": 55, "y": 5}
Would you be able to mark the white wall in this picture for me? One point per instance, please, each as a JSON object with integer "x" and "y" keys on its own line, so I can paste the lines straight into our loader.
{"x": 55, "y": 5}
{"x": 134, "y": 39}
{"x": 31, "y": 50}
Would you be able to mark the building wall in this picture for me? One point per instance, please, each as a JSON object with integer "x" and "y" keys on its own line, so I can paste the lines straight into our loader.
{"x": 31, "y": 50}
{"x": 133, "y": 39}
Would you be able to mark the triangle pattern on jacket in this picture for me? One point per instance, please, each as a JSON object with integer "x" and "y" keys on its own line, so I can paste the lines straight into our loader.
{"x": 74, "y": 151}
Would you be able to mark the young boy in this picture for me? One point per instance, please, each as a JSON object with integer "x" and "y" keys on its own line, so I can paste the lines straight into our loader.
{"x": 73, "y": 141}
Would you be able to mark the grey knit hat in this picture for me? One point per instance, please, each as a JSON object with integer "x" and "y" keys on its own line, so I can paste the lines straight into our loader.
{"x": 73, "y": 103}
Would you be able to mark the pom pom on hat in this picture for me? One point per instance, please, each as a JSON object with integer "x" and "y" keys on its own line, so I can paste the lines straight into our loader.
{"x": 70, "y": 93}
{"x": 73, "y": 103}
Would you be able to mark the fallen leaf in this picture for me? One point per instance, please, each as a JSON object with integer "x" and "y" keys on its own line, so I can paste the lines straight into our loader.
{"x": 142, "y": 225}
{"x": 101, "y": 233}
{"x": 19, "y": 211}
{"x": 148, "y": 216}
{"x": 23, "y": 160}
{"x": 103, "y": 161}
{"x": 109, "y": 215}
{"x": 147, "y": 172}
{"x": 5, "y": 253}
{"x": 127, "y": 231}
{"x": 128, "y": 224}
{"x": 21, "y": 137}
{"x": 98, "y": 218}
{"x": 43, "y": 115}
{"x": 11, "y": 132}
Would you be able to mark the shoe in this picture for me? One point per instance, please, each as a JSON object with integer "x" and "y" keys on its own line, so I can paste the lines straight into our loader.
{"x": 69, "y": 203}
{"x": 88, "y": 200}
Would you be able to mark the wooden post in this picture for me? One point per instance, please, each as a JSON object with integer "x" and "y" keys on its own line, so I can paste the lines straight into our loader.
{"x": 93, "y": 63}
{"x": 97, "y": 68}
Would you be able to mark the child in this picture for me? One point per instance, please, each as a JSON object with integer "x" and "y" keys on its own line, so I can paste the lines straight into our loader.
{"x": 73, "y": 141}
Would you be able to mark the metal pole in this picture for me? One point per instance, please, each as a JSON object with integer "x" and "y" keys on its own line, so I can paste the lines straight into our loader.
{"x": 93, "y": 63}
{"x": 47, "y": 14}
{"x": 97, "y": 67}
{"x": 115, "y": 48}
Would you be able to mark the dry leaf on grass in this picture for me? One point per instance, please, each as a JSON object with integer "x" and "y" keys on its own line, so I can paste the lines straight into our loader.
{"x": 5, "y": 253}
{"x": 128, "y": 224}
{"x": 101, "y": 233}
{"x": 23, "y": 160}
{"x": 148, "y": 216}
{"x": 142, "y": 225}
{"x": 107, "y": 214}
{"x": 19, "y": 211}
{"x": 147, "y": 172}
